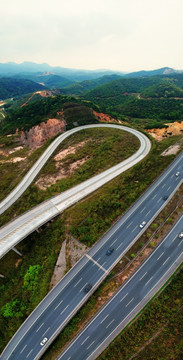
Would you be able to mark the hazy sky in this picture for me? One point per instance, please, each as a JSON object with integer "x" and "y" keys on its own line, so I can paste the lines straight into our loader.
{"x": 124, "y": 35}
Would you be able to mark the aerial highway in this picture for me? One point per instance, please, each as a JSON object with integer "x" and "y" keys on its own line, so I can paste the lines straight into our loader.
{"x": 60, "y": 305}
{"x": 145, "y": 146}
{"x": 16, "y": 230}
{"x": 130, "y": 299}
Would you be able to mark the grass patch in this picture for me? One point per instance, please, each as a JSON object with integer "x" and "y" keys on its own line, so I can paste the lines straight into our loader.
{"x": 105, "y": 148}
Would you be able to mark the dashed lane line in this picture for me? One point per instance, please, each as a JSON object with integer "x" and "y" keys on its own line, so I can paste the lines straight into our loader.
{"x": 23, "y": 349}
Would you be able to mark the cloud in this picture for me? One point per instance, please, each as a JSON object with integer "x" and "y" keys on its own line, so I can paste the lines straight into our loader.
{"x": 91, "y": 34}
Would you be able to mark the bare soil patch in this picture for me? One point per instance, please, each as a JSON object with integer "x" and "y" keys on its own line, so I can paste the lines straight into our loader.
{"x": 172, "y": 129}
{"x": 44, "y": 182}
{"x": 70, "y": 150}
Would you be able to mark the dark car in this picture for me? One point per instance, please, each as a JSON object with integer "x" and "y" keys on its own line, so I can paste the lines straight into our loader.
{"x": 109, "y": 252}
{"x": 165, "y": 197}
{"x": 87, "y": 288}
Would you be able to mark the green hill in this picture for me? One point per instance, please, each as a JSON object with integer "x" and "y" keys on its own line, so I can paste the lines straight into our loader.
{"x": 10, "y": 87}
{"x": 165, "y": 90}
{"x": 155, "y": 97}
{"x": 75, "y": 112}
{"x": 84, "y": 86}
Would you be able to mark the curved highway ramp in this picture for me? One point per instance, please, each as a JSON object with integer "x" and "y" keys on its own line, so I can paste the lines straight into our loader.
{"x": 12, "y": 233}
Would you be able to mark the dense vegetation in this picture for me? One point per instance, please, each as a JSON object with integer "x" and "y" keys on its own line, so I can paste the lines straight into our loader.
{"x": 74, "y": 110}
{"x": 10, "y": 87}
{"x": 159, "y": 98}
{"x": 84, "y": 86}
{"x": 164, "y": 89}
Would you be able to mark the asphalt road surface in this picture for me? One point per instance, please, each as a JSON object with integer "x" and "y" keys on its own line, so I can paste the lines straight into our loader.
{"x": 129, "y": 300}
{"x": 59, "y": 306}
{"x": 19, "y": 228}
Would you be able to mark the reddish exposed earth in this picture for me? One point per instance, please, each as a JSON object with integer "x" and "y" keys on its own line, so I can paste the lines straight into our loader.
{"x": 39, "y": 134}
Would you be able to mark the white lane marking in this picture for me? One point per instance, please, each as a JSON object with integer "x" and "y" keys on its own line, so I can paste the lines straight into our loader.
{"x": 169, "y": 188}
{"x": 159, "y": 200}
{"x": 163, "y": 185}
{"x": 46, "y": 331}
{"x": 129, "y": 302}
{"x": 78, "y": 282}
{"x": 135, "y": 228}
{"x": 142, "y": 210}
{"x": 143, "y": 276}
{"x": 64, "y": 310}
{"x": 172, "y": 176}
{"x": 154, "y": 196}
{"x": 180, "y": 243}
{"x": 166, "y": 260}
{"x": 148, "y": 213}
{"x": 118, "y": 246}
{"x": 69, "y": 358}
{"x": 23, "y": 349}
{"x": 85, "y": 340}
{"x": 58, "y": 304}
{"x": 104, "y": 263}
{"x": 104, "y": 319}
{"x": 114, "y": 241}
{"x": 123, "y": 297}
{"x": 29, "y": 353}
{"x": 129, "y": 224}
{"x": 40, "y": 327}
{"x": 160, "y": 255}
{"x": 109, "y": 323}
{"x": 90, "y": 345}
{"x": 148, "y": 281}
{"x": 96, "y": 263}
{"x": 83, "y": 287}
{"x": 98, "y": 259}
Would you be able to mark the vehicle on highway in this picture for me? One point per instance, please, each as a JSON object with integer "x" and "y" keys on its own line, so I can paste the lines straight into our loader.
{"x": 88, "y": 288}
{"x": 165, "y": 197}
{"x": 181, "y": 235}
{"x": 177, "y": 173}
{"x": 142, "y": 224}
{"x": 109, "y": 251}
{"x": 43, "y": 341}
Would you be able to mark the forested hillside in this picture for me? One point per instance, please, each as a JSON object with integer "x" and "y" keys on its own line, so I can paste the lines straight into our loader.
{"x": 157, "y": 97}
{"x": 84, "y": 86}
{"x": 10, "y": 87}
{"x": 73, "y": 111}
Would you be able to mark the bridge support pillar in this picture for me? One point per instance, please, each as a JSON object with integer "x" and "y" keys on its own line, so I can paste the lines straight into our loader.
{"x": 17, "y": 252}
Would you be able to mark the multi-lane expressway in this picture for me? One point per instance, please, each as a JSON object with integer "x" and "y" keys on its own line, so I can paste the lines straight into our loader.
{"x": 59, "y": 306}
{"x": 130, "y": 299}
{"x": 12, "y": 233}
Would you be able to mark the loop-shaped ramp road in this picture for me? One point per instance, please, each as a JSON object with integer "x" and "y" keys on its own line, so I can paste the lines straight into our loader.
{"x": 16, "y": 230}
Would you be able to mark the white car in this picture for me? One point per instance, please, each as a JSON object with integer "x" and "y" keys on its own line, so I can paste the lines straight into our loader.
{"x": 177, "y": 173}
{"x": 43, "y": 341}
{"x": 181, "y": 235}
{"x": 142, "y": 224}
